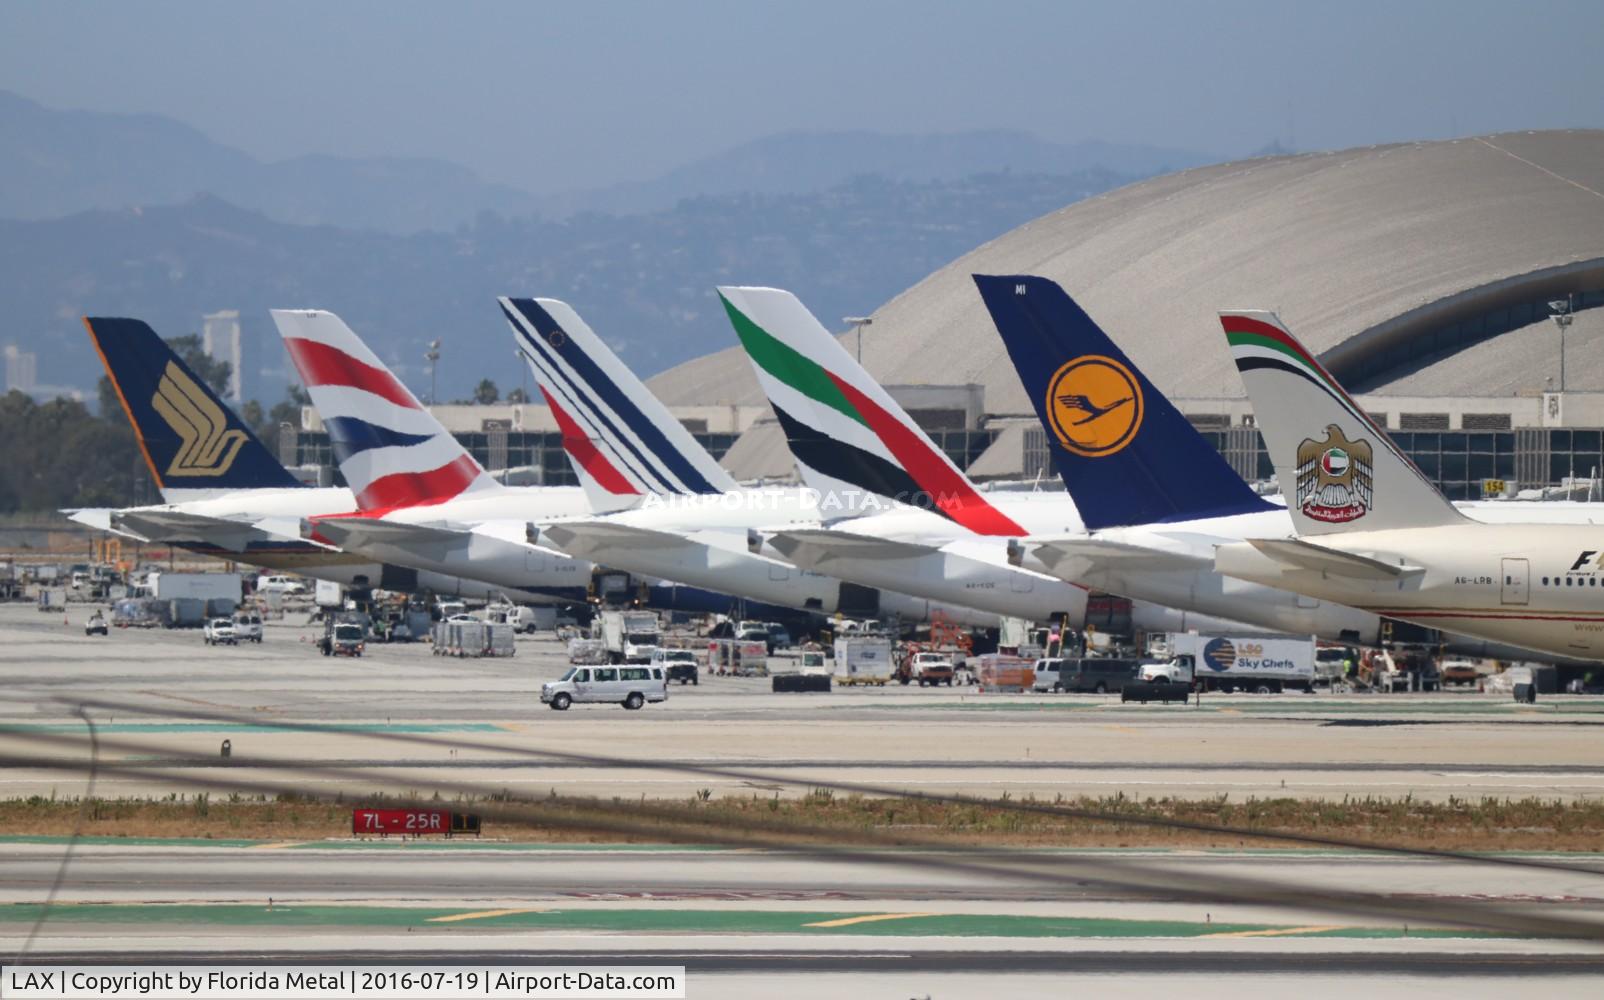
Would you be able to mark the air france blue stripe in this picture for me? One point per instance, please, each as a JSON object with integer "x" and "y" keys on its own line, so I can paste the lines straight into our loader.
{"x": 581, "y": 410}
{"x": 651, "y": 472}
{"x": 588, "y": 371}
{"x": 352, "y": 436}
{"x": 574, "y": 395}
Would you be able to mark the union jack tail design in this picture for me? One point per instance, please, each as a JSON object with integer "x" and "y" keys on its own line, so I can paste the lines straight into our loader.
{"x": 621, "y": 440}
{"x": 392, "y": 452}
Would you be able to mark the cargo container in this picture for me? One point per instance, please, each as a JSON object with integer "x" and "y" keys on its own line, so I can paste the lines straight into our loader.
{"x": 166, "y": 585}
{"x": 862, "y": 660}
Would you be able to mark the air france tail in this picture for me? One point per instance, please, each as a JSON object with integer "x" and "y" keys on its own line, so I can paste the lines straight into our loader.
{"x": 195, "y": 445}
{"x": 392, "y": 452}
{"x": 1338, "y": 470}
{"x": 621, "y": 440}
{"x": 847, "y": 434}
{"x": 1125, "y": 453}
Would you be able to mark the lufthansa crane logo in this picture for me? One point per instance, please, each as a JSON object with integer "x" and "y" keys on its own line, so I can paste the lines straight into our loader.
{"x": 206, "y": 446}
{"x": 1094, "y": 405}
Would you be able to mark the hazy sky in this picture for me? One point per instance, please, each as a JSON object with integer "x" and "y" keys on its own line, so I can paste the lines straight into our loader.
{"x": 556, "y": 95}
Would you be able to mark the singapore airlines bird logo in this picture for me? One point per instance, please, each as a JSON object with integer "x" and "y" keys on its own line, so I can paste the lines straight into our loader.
{"x": 1094, "y": 405}
{"x": 1334, "y": 477}
{"x": 206, "y": 446}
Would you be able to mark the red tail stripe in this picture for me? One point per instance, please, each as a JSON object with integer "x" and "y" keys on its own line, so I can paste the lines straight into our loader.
{"x": 946, "y": 486}
{"x": 415, "y": 489}
{"x": 320, "y": 364}
{"x": 580, "y": 448}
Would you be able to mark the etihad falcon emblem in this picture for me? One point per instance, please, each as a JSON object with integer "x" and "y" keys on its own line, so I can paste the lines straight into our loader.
{"x": 206, "y": 445}
{"x": 1334, "y": 477}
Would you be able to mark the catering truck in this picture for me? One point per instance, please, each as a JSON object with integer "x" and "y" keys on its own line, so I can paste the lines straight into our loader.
{"x": 1263, "y": 664}
{"x": 630, "y": 636}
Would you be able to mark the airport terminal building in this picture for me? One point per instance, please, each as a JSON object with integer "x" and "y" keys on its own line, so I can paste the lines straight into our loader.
{"x": 1428, "y": 276}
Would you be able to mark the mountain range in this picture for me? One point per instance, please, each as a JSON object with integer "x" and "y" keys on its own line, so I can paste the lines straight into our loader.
{"x": 54, "y": 163}
{"x": 141, "y": 215}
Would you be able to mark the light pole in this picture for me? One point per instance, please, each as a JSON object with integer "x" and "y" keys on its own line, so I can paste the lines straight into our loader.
{"x": 1562, "y": 319}
{"x": 858, "y": 323}
{"x": 433, "y": 357}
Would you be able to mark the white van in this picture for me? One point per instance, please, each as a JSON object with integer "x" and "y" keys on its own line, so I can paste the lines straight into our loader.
{"x": 1047, "y": 678}
{"x": 627, "y": 685}
{"x": 288, "y": 586}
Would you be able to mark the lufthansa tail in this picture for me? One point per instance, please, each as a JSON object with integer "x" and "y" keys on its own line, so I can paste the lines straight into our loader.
{"x": 1338, "y": 470}
{"x": 194, "y": 444}
{"x": 1125, "y": 453}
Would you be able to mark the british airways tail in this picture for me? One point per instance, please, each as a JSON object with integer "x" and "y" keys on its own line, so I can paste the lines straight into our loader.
{"x": 846, "y": 433}
{"x": 1125, "y": 453}
{"x": 392, "y": 452}
{"x": 621, "y": 440}
{"x": 194, "y": 444}
{"x": 1338, "y": 470}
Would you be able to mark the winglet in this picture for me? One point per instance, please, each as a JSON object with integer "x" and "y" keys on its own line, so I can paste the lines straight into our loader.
{"x": 193, "y": 443}
{"x": 1338, "y": 470}
{"x": 1125, "y": 453}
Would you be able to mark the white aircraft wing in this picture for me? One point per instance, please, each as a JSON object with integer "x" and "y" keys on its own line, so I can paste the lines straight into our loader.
{"x": 99, "y": 518}
{"x": 358, "y": 532}
{"x": 592, "y": 539}
{"x": 1300, "y": 554}
{"x": 1080, "y": 556}
{"x": 816, "y": 546}
{"x": 179, "y": 526}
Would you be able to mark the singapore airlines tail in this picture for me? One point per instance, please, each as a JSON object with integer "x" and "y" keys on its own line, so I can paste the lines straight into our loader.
{"x": 195, "y": 445}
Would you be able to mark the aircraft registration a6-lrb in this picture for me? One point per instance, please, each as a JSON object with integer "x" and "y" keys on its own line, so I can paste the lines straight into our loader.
{"x": 1373, "y": 532}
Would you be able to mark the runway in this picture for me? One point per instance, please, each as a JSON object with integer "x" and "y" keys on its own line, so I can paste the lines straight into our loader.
{"x": 944, "y": 923}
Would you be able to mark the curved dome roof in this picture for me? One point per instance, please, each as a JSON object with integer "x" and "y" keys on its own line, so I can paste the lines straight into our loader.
{"x": 1360, "y": 251}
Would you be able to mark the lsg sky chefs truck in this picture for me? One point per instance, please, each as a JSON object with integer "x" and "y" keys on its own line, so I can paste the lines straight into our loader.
{"x": 1261, "y": 664}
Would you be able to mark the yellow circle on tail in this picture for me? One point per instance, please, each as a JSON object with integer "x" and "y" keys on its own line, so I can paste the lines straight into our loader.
{"x": 1094, "y": 405}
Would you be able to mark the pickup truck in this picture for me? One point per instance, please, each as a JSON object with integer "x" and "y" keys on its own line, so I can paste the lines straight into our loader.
{"x": 678, "y": 665}
{"x": 219, "y": 630}
{"x": 931, "y": 669}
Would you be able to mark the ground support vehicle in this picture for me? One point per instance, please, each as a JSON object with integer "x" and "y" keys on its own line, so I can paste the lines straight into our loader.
{"x": 346, "y": 636}
{"x": 219, "y": 631}
{"x": 1261, "y": 664}
{"x": 248, "y": 626}
{"x": 1098, "y": 674}
{"x": 677, "y": 665}
{"x": 862, "y": 660}
{"x": 1004, "y": 672}
{"x": 738, "y": 657}
{"x": 626, "y": 685}
{"x": 630, "y": 636}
